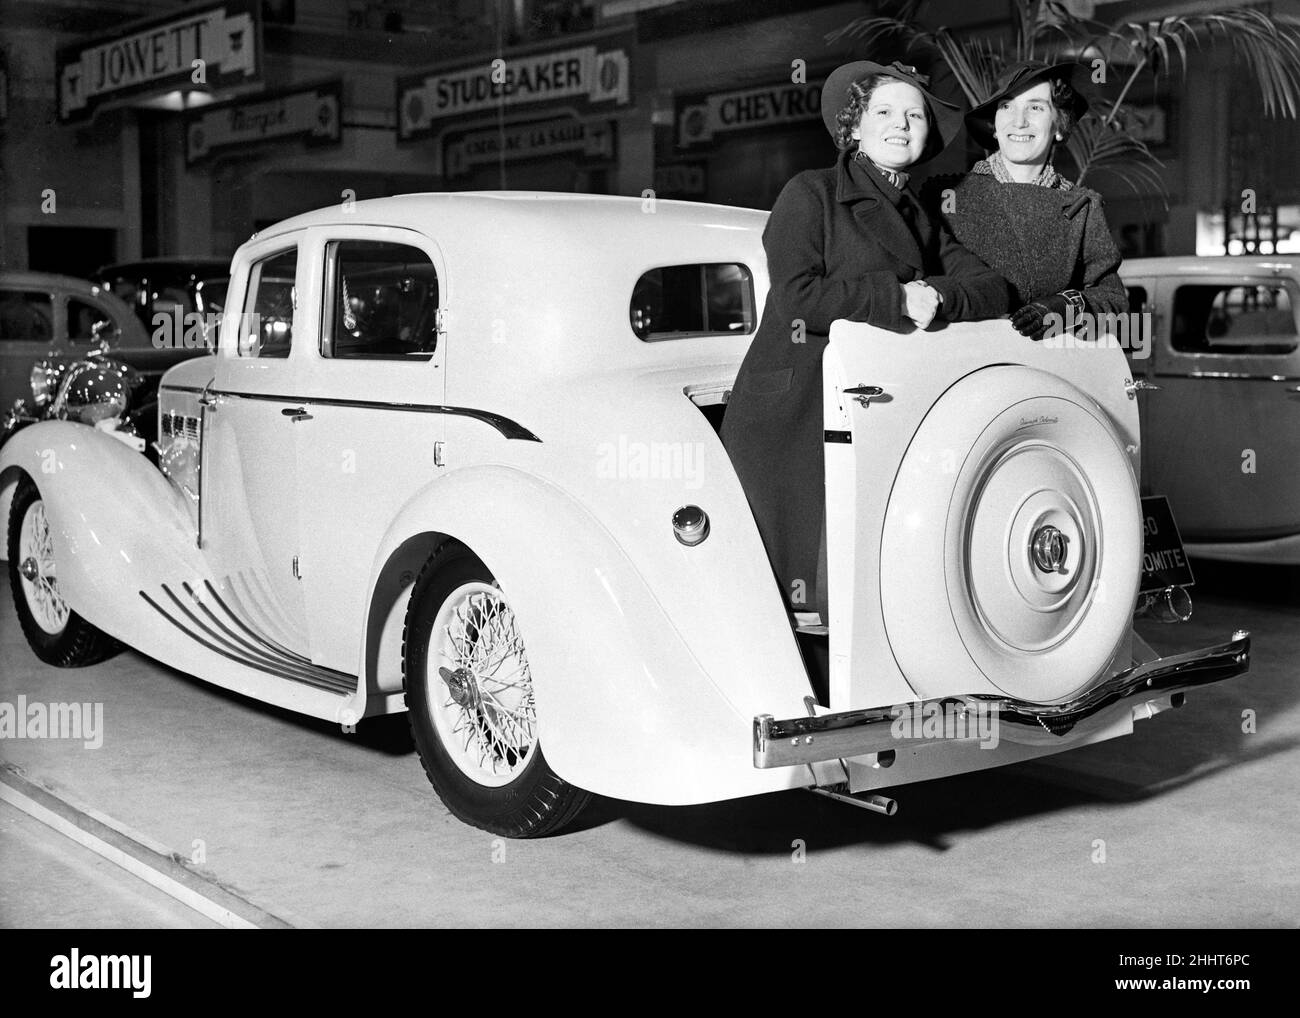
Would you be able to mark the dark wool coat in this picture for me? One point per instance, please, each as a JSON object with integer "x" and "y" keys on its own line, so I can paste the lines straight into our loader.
{"x": 1042, "y": 239}
{"x": 837, "y": 247}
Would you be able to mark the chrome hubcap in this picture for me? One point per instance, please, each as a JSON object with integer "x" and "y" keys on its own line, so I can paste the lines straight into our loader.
{"x": 1048, "y": 549}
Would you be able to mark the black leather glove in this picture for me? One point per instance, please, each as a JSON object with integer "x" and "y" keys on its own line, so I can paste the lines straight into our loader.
{"x": 1028, "y": 321}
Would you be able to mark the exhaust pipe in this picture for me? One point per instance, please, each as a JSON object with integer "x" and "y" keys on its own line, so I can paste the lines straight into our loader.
{"x": 1173, "y": 604}
{"x": 875, "y": 803}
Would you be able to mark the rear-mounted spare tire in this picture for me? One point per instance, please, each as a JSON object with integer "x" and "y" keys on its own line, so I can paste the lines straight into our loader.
{"x": 1012, "y": 540}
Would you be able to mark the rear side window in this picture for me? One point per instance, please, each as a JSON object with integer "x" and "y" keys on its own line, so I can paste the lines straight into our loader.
{"x": 26, "y": 316}
{"x": 1223, "y": 319}
{"x": 83, "y": 318}
{"x": 382, "y": 302}
{"x": 266, "y": 329}
{"x": 681, "y": 301}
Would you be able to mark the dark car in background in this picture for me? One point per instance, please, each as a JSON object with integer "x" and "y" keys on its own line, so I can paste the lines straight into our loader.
{"x": 153, "y": 285}
{"x": 47, "y": 317}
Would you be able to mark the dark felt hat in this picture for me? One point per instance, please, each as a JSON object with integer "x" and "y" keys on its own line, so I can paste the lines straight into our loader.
{"x": 945, "y": 118}
{"x": 1011, "y": 82}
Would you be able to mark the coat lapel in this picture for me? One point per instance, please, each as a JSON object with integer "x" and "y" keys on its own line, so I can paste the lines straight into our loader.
{"x": 878, "y": 217}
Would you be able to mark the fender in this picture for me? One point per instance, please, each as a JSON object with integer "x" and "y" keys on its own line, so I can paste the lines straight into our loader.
{"x": 119, "y": 528}
{"x": 624, "y": 708}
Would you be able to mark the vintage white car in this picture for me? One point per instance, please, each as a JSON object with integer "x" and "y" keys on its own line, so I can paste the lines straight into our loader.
{"x": 458, "y": 455}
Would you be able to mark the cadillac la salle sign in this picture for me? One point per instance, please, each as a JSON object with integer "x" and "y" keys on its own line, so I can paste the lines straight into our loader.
{"x": 212, "y": 46}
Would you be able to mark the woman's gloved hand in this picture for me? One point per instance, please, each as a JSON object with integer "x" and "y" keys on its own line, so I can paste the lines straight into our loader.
{"x": 1028, "y": 321}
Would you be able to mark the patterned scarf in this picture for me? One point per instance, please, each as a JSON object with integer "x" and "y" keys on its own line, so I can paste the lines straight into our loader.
{"x": 896, "y": 177}
{"x": 996, "y": 167}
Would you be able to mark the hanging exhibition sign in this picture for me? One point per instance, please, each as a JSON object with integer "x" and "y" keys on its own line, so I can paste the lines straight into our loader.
{"x": 533, "y": 140}
{"x": 700, "y": 117}
{"x": 212, "y": 46}
{"x": 311, "y": 113}
{"x": 584, "y": 78}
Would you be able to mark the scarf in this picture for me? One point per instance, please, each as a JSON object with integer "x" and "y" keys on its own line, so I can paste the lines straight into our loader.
{"x": 896, "y": 177}
{"x": 996, "y": 167}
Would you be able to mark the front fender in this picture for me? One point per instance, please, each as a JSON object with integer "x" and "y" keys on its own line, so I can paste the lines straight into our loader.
{"x": 116, "y": 521}
{"x": 624, "y": 707}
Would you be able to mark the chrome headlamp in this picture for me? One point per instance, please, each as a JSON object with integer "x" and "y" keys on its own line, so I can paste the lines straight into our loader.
{"x": 44, "y": 382}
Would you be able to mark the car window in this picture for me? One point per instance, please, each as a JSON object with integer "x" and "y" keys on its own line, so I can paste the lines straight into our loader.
{"x": 266, "y": 329}
{"x": 83, "y": 317}
{"x": 679, "y": 301}
{"x": 26, "y": 316}
{"x": 1223, "y": 319}
{"x": 381, "y": 302}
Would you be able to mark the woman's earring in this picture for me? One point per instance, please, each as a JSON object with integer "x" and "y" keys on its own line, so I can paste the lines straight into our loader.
{"x": 1060, "y": 137}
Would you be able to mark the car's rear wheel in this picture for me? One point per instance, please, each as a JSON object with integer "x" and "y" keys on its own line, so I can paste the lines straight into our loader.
{"x": 473, "y": 714}
{"x": 56, "y": 634}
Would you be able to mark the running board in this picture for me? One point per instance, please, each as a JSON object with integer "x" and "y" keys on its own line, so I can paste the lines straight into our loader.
{"x": 210, "y": 622}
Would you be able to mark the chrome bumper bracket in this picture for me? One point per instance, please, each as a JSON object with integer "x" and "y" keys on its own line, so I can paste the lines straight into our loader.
{"x": 803, "y": 740}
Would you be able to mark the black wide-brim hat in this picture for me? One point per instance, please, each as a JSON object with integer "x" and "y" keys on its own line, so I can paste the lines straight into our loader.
{"x": 1011, "y": 82}
{"x": 945, "y": 118}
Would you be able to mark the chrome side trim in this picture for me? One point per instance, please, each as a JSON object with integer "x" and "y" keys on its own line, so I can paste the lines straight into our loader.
{"x": 507, "y": 427}
{"x": 1240, "y": 375}
{"x": 239, "y": 651}
{"x": 265, "y": 641}
{"x": 806, "y": 740}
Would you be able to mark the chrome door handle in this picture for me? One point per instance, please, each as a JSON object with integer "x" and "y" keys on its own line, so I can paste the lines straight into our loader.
{"x": 864, "y": 393}
{"x": 1141, "y": 385}
{"x": 296, "y": 413}
{"x": 1294, "y": 391}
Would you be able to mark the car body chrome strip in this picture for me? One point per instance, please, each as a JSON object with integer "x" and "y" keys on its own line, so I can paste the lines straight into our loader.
{"x": 309, "y": 674}
{"x": 507, "y": 427}
{"x": 805, "y": 740}
{"x": 265, "y": 641}
{"x": 1245, "y": 376}
{"x": 318, "y": 678}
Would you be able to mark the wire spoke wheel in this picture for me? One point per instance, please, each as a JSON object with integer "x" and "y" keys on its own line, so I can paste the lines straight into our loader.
{"x": 472, "y": 705}
{"x": 36, "y": 570}
{"x": 477, "y": 680}
{"x": 56, "y": 633}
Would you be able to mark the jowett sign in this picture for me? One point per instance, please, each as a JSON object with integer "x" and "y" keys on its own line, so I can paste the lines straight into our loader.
{"x": 310, "y": 113}
{"x": 585, "y": 75}
{"x": 535, "y": 140}
{"x": 215, "y": 46}
{"x": 699, "y": 118}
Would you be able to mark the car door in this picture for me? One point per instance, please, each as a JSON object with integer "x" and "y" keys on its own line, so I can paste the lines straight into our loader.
{"x": 28, "y": 333}
{"x": 250, "y": 500}
{"x": 1223, "y": 433}
{"x": 372, "y": 385}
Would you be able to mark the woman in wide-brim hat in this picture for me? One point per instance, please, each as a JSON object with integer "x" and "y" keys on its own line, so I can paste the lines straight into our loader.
{"x": 851, "y": 241}
{"x": 1048, "y": 236}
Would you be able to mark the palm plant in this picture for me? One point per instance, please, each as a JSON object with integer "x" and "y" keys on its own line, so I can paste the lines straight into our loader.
{"x": 1104, "y": 140}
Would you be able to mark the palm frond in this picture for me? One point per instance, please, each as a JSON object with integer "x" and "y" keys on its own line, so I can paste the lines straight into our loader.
{"x": 1269, "y": 46}
{"x": 1097, "y": 146}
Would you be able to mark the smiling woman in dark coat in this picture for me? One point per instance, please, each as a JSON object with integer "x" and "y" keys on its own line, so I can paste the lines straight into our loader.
{"x": 852, "y": 242}
{"x": 1047, "y": 235}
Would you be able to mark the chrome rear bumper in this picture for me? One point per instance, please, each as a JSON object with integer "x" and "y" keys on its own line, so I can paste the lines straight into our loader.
{"x": 853, "y": 733}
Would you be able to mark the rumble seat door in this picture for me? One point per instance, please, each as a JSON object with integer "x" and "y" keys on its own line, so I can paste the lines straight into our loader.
{"x": 911, "y": 424}
{"x": 250, "y": 497}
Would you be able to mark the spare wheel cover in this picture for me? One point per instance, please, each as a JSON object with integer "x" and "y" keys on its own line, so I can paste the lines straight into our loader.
{"x": 1008, "y": 458}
